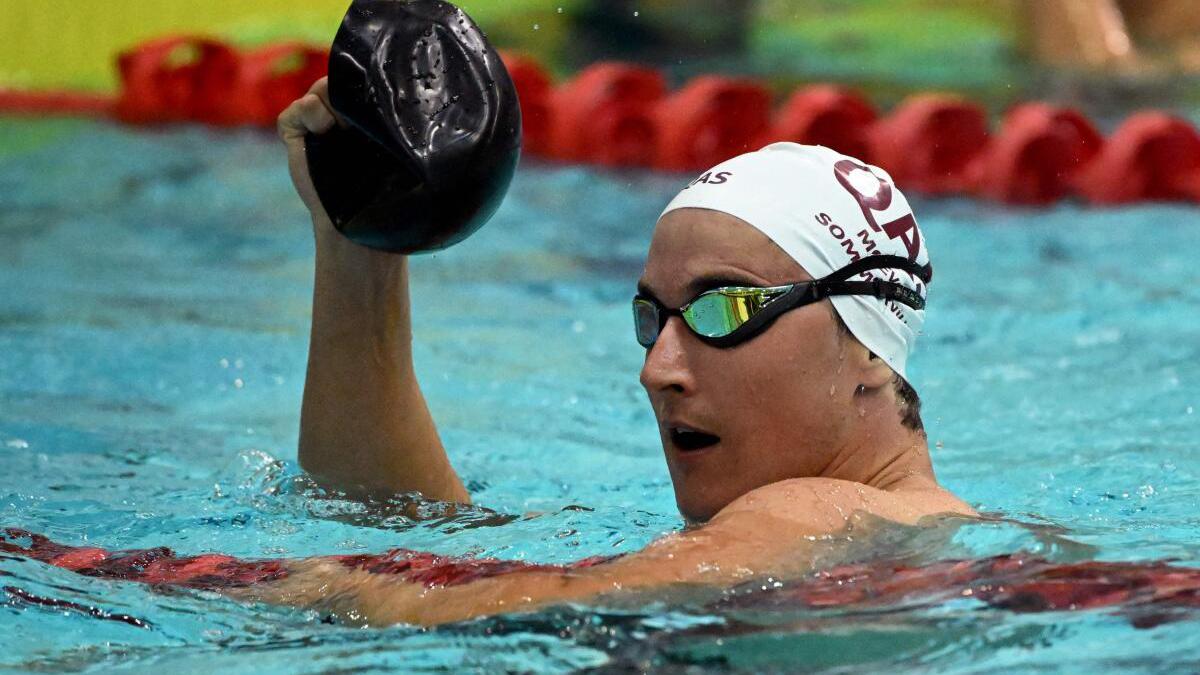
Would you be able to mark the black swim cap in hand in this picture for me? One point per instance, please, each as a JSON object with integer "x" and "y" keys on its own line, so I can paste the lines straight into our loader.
{"x": 434, "y": 128}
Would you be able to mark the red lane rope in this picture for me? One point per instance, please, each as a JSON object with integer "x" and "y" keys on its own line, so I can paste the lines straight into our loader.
{"x": 1148, "y": 593}
{"x": 55, "y": 103}
{"x": 622, "y": 115}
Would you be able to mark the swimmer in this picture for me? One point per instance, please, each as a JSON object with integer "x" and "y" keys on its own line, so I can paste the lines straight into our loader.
{"x": 782, "y": 295}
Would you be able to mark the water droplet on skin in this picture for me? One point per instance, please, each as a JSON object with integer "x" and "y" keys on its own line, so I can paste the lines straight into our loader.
{"x": 832, "y": 390}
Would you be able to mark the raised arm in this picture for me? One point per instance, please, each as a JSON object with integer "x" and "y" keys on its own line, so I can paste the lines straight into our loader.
{"x": 364, "y": 425}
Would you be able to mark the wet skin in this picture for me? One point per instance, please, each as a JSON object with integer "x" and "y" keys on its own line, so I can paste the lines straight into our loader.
{"x": 801, "y": 435}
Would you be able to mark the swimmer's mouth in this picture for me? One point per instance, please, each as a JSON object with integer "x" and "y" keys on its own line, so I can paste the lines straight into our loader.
{"x": 688, "y": 440}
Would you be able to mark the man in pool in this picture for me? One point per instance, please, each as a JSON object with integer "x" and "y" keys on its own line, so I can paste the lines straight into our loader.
{"x": 781, "y": 297}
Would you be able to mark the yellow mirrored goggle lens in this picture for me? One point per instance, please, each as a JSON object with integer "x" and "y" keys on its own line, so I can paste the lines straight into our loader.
{"x": 719, "y": 312}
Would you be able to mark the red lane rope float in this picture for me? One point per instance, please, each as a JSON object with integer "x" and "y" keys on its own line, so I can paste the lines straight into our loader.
{"x": 55, "y": 103}
{"x": 1038, "y": 155}
{"x": 605, "y": 115}
{"x": 1152, "y": 155}
{"x": 269, "y": 79}
{"x": 930, "y": 143}
{"x": 825, "y": 115}
{"x": 619, "y": 114}
{"x": 1015, "y": 582}
{"x": 709, "y": 120}
{"x": 431, "y": 569}
{"x": 151, "y": 566}
{"x": 178, "y": 78}
{"x": 534, "y": 89}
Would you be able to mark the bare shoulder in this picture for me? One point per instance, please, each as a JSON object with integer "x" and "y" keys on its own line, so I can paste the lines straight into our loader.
{"x": 778, "y": 529}
{"x": 828, "y": 505}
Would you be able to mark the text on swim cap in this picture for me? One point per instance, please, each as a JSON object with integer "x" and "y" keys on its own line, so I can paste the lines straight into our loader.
{"x": 856, "y": 179}
{"x": 711, "y": 178}
{"x": 846, "y": 241}
{"x": 849, "y": 246}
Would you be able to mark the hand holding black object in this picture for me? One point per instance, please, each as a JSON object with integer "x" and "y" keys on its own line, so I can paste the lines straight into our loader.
{"x": 434, "y": 128}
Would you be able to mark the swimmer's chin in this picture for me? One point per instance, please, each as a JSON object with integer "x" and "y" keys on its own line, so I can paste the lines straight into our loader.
{"x": 696, "y": 512}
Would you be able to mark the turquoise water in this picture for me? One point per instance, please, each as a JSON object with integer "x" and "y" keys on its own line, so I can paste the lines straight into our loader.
{"x": 154, "y": 306}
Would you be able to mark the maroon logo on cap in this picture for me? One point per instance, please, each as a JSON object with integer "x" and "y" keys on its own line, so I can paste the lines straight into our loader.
{"x": 903, "y": 228}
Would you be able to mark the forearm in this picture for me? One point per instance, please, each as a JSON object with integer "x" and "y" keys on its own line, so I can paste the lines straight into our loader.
{"x": 425, "y": 589}
{"x": 364, "y": 424}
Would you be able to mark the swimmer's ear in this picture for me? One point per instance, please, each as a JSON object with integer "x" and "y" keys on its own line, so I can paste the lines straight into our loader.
{"x": 873, "y": 373}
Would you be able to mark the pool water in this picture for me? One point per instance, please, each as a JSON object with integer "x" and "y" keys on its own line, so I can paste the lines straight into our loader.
{"x": 155, "y": 292}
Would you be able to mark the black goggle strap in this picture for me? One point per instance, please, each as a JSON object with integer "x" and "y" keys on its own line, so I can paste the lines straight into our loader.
{"x": 882, "y": 262}
{"x": 836, "y": 284}
{"x": 884, "y": 290}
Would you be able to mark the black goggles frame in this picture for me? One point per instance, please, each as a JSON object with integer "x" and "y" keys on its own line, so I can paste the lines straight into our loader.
{"x": 803, "y": 293}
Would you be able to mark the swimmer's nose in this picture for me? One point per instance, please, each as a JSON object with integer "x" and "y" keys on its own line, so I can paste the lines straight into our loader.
{"x": 666, "y": 367}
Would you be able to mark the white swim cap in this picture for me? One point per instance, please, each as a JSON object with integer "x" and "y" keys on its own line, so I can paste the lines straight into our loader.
{"x": 826, "y": 210}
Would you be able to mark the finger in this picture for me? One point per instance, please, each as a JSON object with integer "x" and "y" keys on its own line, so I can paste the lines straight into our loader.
{"x": 306, "y": 114}
{"x": 289, "y": 124}
{"x": 320, "y": 89}
{"x": 316, "y": 115}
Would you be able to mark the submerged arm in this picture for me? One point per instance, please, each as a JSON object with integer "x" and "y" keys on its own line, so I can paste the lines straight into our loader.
{"x": 418, "y": 588}
{"x": 760, "y": 534}
{"x": 364, "y": 425}
{"x": 770, "y": 531}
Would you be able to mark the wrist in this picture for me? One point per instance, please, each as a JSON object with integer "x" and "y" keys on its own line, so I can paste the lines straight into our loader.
{"x": 338, "y": 256}
{"x": 360, "y": 290}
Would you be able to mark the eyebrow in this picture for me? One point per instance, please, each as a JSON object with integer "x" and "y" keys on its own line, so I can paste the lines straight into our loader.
{"x": 702, "y": 283}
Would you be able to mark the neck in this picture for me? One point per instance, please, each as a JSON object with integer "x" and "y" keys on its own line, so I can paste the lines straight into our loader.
{"x": 880, "y": 451}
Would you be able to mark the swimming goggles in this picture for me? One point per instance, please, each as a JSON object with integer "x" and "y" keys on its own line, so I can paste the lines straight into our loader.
{"x": 727, "y": 316}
